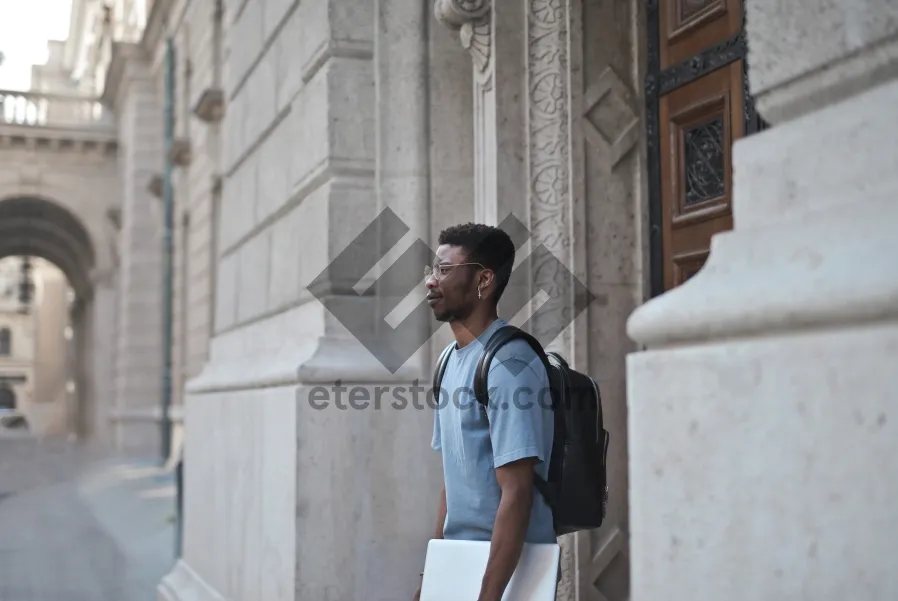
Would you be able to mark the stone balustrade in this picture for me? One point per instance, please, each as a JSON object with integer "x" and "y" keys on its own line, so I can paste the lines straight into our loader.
{"x": 39, "y": 109}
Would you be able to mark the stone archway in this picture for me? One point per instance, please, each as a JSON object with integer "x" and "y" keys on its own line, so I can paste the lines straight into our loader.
{"x": 38, "y": 227}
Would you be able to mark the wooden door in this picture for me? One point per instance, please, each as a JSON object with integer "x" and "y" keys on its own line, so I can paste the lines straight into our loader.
{"x": 698, "y": 105}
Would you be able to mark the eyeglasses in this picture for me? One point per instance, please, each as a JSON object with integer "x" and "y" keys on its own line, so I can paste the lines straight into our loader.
{"x": 440, "y": 271}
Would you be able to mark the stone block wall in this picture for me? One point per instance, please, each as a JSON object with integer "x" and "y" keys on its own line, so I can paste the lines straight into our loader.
{"x": 299, "y": 169}
{"x": 197, "y": 70}
{"x": 203, "y": 184}
{"x": 321, "y": 132}
{"x": 299, "y": 131}
{"x": 763, "y": 410}
{"x": 139, "y": 358}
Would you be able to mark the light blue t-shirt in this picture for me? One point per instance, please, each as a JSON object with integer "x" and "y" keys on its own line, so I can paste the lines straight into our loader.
{"x": 517, "y": 424}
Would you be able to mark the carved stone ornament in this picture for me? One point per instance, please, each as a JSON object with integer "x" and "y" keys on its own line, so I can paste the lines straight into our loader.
{"x": 471, "y": 18}
{"x": 180, "y": 152}
{"x": 155, "y": 185}
{"x": 210, "y": 106}
{"x": 455, "y": 13}
{"x": 114, "y": 216}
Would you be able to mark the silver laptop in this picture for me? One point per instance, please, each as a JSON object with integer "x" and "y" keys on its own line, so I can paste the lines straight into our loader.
{"x": 453, "y": 570}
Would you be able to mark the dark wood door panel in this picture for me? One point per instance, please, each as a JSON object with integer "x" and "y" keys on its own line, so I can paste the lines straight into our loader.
{"x": 698, "y": 124}
{"x": 688, "y": 27}
{"x": 697, "y": 106}
{"x": 686, "y": 265}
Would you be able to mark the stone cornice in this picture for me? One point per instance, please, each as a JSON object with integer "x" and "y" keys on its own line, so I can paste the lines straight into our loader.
{"x": 156, "y": 26}
{"x": 122, "y": 52}
{"x": 76, "y": 33}
{"x": 60, "y": 139}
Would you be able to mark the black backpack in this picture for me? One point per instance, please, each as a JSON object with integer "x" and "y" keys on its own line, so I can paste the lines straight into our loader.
{"x": 577, "y": 486}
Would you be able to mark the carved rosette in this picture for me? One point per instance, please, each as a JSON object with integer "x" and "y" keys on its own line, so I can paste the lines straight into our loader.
{"x": 471, "y": 19}
{"x": 549, "y": 158}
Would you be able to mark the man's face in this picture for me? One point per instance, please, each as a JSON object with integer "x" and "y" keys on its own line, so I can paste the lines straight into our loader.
{"x": 452, "y": 292}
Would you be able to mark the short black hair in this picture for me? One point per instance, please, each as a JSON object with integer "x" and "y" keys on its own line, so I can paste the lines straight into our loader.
{"x": 487, "y": 245}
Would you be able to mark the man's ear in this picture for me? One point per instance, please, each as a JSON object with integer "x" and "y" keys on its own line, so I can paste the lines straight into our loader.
{"x": 487, "y": 277}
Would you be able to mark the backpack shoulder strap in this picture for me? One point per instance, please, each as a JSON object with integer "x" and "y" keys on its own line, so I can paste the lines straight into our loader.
{"x": 440, "y": 370}
{"x": 502, "y": 336}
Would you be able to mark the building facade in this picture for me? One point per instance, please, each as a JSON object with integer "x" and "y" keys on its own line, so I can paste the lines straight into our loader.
{"x": 16, "y": 339}
{"x": 717, "y": 173}
{"x": 35, "y": 362}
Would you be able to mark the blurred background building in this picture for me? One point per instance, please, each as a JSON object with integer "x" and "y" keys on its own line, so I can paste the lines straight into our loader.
{"x": 36, "y": 376}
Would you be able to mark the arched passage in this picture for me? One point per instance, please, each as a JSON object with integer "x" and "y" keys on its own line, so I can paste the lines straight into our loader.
{"x": 37, "y": 227}
{"x": 41, "y": 228}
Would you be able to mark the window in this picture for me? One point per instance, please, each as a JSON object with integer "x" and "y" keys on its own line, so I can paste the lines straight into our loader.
{"x": 5, "y": 341}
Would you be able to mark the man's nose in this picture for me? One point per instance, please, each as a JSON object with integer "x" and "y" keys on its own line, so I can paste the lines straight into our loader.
{"x": 431, "y": 282}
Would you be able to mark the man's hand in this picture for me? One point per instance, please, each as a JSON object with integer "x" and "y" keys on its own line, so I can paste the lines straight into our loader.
{"x": 516, "y": 482}
{"x": 438, "y": 533}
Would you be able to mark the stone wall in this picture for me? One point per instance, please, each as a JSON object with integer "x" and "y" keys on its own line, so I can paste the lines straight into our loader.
{"x": 274, "y": 487}
{"x": 557, "y": 122}
{"x": 763, "y": 410}
{"x": 139, "y": 356}
{"x": 326, "y": 124}
{"x": 196, "y": 181}
{"x": 610, "y": 196}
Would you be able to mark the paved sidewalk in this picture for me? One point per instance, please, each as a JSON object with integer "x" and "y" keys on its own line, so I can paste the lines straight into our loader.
{"x": 77, "y": 526}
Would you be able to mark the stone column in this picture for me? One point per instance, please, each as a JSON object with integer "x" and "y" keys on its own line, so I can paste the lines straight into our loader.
{"x": 523, "y": 166}
{"x": 763, "y": 425}
{"x": 522, "y": 149}
{"x": 102, "y": 330}
{"x": 139, "y": 332}
{"x": 498, "y": 52}
{"x": 81, "y": 402}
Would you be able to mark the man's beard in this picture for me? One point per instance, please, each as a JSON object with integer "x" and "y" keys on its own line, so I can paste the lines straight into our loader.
{"x": 450, "y": 315}
{"x": 446, "y": 316}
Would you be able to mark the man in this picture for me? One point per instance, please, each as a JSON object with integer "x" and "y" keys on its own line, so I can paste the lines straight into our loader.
{"x": 489, "y": 454}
